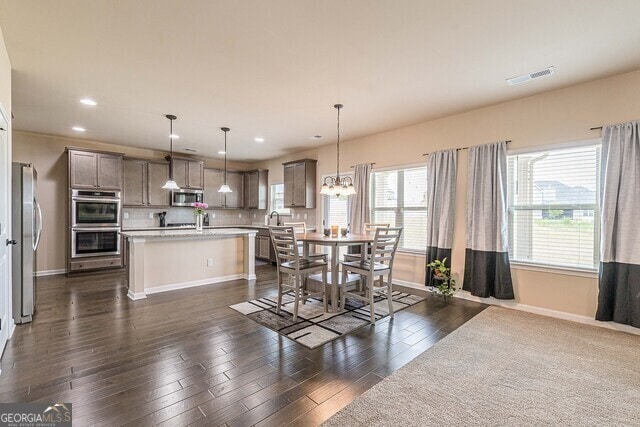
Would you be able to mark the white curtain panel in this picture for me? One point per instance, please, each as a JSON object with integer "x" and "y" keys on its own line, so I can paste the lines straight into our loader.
{"x": 441, "y": 199}
{"x": 619, "y": 276}
{"x": 359, "y": 202}
{"x": 487, "y": 269}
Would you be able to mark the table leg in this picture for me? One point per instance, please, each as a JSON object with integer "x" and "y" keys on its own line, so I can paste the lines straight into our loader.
{"x": 305, "y": 250}
{"x": 335, "y": 277}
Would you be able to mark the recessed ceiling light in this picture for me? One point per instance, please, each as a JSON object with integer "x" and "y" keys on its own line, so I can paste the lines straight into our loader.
{"x": 192, "y": 150}
{"x": 222, "y": 152}
{"x": 174, "y": 136}
{"x": 79, "y": 129}
{"x": 259, "y": 139}
{"x": 315, "y": 137}
{"x": 87, "y": 101}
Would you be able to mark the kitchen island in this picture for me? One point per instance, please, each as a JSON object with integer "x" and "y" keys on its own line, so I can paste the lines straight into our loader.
{"x": 165, "y": 260}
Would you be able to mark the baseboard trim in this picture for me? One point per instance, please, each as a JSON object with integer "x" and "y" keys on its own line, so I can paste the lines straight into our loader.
{"x": 42, "y": 273}
{"x": 194, "y": 283}
{"x": 407, "y": 284}
{"x": 249, "y": 276}
{"x": 136, "y": 296}
{"x": 549, "y": 313}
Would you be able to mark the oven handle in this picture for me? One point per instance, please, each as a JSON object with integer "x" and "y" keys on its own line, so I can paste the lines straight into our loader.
{"x": 94, "y": 199}
{"x": 83, "y": 229}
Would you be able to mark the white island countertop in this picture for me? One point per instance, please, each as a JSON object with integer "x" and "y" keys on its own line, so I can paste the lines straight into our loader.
{"x": 182, "y": 233}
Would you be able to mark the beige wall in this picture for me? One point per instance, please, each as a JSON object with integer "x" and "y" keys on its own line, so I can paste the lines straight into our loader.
{"x": 552, "y": 117}
{"x": 47, "y": 154}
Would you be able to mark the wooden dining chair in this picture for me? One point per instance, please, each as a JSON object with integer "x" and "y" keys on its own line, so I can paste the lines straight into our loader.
{"x": 378, "y": 266}
{"x": 301, "y": 227}
{"x": 354, "y": 251}
{"x": 290, "y": 262}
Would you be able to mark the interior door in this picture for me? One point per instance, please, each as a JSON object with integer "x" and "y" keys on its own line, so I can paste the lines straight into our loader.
{"x": 5, "y": 203}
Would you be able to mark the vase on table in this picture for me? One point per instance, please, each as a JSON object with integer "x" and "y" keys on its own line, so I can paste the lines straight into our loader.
{"x": 199, "y": 220}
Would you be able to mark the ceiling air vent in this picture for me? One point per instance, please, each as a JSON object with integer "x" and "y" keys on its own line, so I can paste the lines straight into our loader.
{"x": 526, "y": 77}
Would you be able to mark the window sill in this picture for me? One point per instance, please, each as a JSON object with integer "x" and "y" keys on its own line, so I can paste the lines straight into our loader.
{"x": 411, "y": 252}
{"x": 545, "y": 268}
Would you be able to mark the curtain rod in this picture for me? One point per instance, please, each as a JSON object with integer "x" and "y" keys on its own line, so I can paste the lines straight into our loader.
{"x": 464, "y": 148}
{"x": 353, "y": 166}
{"x": 596, "y": 128}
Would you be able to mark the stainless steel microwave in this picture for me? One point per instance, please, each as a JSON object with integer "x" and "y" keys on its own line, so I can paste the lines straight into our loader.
{"x": 186, "y": 197}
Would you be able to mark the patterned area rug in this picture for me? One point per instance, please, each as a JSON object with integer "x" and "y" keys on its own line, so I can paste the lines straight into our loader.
{"x": 314, "y": 327}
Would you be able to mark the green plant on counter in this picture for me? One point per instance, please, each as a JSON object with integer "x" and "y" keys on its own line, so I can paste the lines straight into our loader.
{"x": 442, "y": 274}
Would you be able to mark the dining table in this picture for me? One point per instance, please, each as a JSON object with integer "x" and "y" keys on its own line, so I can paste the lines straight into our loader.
{"x": 335, "y": 242}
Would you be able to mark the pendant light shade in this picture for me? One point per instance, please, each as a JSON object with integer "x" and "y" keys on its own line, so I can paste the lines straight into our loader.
{"x": 171, "y": 184}
{"x": 224, "y": 188}
{"x": 335, "y": 185}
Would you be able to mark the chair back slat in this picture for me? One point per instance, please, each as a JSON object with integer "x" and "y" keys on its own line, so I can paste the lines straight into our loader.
{"x": 285, "y": 245}
{"x": 298, "y": 227}
{"x": 371, "y": 227}
{"x": 384, "y": 246}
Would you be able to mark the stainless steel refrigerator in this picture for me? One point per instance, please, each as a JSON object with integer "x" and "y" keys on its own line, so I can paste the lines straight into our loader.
{"x": 26, "y": 232}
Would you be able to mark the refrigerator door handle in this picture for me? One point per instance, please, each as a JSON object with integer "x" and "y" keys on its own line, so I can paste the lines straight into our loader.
{"x": 39, "y": 233}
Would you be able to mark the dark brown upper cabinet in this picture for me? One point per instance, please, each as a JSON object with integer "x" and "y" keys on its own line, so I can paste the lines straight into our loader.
{"x": 300, "y": 184}
{"x": 188, "y": 173}
{"x": 256, "y": 189}
{"x": 95, "y": 170}
{"x": 143, "y": 181}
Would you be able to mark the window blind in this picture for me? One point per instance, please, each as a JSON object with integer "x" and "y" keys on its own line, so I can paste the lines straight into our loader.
{"x": 399, "y": 198}
{"x": 553, "y": 206}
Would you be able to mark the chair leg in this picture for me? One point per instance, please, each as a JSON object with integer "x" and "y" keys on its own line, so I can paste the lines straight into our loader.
{"x": 389, "y": 295}
{"x": 324, "y": 287}
{"x": 297, "y": 297}
{"x": 279, "y": 278}
{"x": 370, "y": 282}
{"x": 303, "y": 289}
{"x": 343, "y": 291}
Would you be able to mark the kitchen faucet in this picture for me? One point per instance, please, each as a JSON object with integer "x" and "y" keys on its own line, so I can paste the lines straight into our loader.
{"x": 277, "y": 217}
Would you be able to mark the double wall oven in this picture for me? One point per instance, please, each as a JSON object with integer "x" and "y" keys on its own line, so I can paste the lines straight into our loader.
{"x": 95, "y": 223}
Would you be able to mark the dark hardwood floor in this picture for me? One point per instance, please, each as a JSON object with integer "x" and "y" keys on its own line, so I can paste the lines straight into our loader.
{"x": 184, "y": 357}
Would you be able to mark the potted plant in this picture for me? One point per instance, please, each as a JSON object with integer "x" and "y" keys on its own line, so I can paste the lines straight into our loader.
{"x": 442, "y": 274}
{"x": 198, "y": 211}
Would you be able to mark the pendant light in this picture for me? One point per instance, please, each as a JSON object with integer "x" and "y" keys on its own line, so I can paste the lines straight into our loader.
{"x": 171, "y": 184}
{"x": 224, "y": 188}
{"x": 335, "y": 185}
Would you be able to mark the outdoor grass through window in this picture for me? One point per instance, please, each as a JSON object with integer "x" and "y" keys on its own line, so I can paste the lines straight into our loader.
{"x": 553, "y": 207}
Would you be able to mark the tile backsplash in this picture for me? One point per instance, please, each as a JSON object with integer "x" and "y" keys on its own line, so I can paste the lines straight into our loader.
{"x": 139, "y": 217}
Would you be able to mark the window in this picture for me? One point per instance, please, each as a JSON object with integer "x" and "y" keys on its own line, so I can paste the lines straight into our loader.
{"x": 336, "y": 212}
{"x": 277, "y": 199}
{"x": 553, "y": 206}
{"x": 336, "y": 209}
{"x": 399, "y": 198}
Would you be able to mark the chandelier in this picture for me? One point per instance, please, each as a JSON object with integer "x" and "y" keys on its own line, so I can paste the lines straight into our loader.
{"x": 336, "y": 185}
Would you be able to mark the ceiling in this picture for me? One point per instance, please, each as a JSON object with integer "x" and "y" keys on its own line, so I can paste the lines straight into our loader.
{"x": 274, "y": 68}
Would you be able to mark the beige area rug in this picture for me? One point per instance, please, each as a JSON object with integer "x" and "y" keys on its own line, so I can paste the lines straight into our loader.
{"x": 507, "y": 367}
